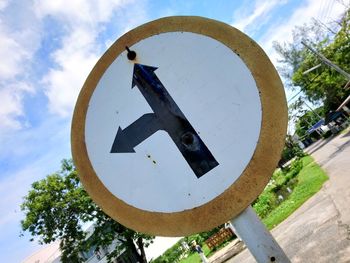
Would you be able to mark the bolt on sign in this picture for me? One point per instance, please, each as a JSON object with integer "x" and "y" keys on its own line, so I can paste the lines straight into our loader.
{"x": 179, "y": 126}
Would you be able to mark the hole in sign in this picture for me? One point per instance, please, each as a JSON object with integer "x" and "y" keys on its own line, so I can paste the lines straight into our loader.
{"x": 187, "y": 138}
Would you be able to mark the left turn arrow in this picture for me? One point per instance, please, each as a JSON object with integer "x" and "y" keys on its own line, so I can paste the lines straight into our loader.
{"x": 126, "y": 139}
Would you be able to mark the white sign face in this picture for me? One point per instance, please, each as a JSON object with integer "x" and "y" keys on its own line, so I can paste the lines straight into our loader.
{"x": 132, "y": 136}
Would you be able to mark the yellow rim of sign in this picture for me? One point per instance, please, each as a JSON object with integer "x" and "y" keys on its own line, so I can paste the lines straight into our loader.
{"x": 255, "y": 176}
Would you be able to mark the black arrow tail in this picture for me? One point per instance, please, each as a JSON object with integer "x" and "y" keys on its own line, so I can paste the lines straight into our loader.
{"x": 126, "y": 139}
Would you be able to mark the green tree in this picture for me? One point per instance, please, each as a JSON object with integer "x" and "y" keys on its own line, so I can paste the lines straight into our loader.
{"x": 323, "y": 84}
{"x": 291, "y": 149}
{"x": 302, "y": 117}
{"x": 307, "y": 120}
{"x": 57, "y": 207}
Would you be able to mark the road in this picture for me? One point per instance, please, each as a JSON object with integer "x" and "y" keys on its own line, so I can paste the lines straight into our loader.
{"x": 319, "y": 231}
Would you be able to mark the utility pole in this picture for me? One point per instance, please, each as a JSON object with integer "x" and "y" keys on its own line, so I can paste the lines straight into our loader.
{"x": 327, "y": 61}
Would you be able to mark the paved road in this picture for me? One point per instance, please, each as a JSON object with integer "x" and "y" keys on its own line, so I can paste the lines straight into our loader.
{"x": 319, "y": 231}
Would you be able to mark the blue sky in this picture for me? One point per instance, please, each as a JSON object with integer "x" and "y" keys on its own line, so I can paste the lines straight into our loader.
{"x": 47, "y": 49}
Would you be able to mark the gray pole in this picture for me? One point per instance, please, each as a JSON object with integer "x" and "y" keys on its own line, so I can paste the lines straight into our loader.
{"x": 261, "y": 244}
{"x": 327, "y": 61}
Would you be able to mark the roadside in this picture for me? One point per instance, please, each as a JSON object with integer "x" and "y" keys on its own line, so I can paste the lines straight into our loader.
{"x": 319, "y": 230}
{"x": 296, "y": 184}
{"x": 334, "y": 157}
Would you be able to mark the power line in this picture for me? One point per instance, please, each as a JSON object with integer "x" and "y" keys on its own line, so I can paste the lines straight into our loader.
{"x": 327, "y": 61}
{"x": 294, "y": 96}
{"x": 326, "y": 10}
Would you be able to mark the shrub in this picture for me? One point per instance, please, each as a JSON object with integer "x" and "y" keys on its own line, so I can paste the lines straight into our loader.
{"x": 295, "y": 168}
{"x": 265, "y": 203}
{"x": 281, "y": 180}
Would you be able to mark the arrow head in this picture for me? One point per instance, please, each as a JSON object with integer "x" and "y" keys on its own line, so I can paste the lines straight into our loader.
{"x": 143, "y": 71}
{"x": 121, "y": 143}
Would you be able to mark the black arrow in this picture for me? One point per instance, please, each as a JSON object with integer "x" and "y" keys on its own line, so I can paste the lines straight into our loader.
{"x": 135, "y": 133}
{"x": 167, "y": 116}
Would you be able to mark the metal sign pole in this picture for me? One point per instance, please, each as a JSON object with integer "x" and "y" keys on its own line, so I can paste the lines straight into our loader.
{"x": 257, "y": 238}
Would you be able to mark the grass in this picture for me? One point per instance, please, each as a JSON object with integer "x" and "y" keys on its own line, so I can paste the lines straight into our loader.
{"x": 194, "y": 257}
{"x": 310, "y": 181}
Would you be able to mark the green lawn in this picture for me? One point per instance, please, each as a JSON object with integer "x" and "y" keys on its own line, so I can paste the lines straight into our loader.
{"x": 194, "y": 258}
{"x": 310, "y": 181}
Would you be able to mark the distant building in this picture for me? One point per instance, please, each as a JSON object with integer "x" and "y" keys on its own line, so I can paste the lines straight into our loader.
{"x": 49, "y": 253}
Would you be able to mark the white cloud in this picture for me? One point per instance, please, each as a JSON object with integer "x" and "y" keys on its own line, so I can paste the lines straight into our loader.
{"x": 11, "y": 105}
{"x": 3, "y": 4}
{"x": 11, "y": 64}
{"x": 83, "y": 21}
{"x": 19, "y": 40}
{"x": 75, "y": 60}
{"x": 11, "y": 108}
{"x": 243, "y": 19}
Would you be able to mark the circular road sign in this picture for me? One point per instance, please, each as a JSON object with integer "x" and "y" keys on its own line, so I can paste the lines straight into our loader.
{"x": 179, "y": 126}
